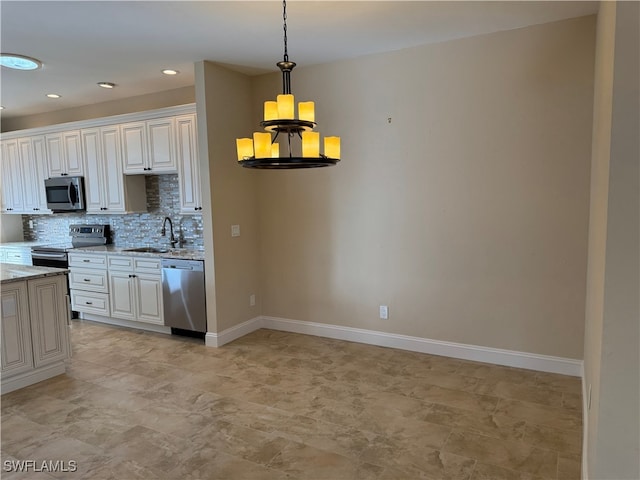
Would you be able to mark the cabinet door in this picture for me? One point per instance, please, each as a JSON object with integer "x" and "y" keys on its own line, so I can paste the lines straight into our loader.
{"x": 11, "y": 181}
{"x": 114, "y": 198}
{"x": 49, "y": 319}
{"x": 39, "y": 149}
{"x": 4, "y": 193}
{"x": 72, "y": 152}
{"x": 93, "y": 179}
{"x": 12, "y": 178}
{"x": 30, "y": 196}
{"x": 134, "y": 147}
{"x": 149, "y": 299}
{"x": 122, "y": 295}
{"x": 17, "y": 355}
{"x": 161, "y": 135}
{"x": 55, "y": 155}
{"x": 188, "y": 165}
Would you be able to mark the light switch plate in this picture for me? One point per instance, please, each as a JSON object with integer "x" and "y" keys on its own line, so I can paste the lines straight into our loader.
{"x": 235, "y": 230}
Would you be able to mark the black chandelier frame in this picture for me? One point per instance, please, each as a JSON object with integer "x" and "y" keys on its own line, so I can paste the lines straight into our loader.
{"x": 288, "y": 127}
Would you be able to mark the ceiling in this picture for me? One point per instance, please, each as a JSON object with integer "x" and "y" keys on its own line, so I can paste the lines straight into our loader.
{"x": 81, "y": 43}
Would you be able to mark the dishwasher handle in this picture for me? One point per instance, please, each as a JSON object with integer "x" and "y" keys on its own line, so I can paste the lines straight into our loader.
{"x": 189, "y": 265}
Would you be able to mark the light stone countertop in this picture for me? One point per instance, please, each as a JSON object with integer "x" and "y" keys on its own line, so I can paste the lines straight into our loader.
{"x": 27, "y": 244}
{"x": 180, "y": 253}
{"x": 16, "y": 273}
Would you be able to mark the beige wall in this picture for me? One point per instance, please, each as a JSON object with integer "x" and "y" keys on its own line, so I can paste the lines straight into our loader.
{"x": 612, "y": 340}
{"x": 466, "y": 213}
{"x": 602, "y": 105}
{"x": 229, "y": 196}
{"x": 169, "y": 98}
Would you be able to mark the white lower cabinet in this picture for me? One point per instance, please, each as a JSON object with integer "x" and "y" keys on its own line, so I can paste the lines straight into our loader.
{"x": 117, "y": 286}
{"x": 49, "y": 319}
{"x": 35, "y": 335}
{"x": 123, "y": 303}
{"x": 88, "y": 283}
{"x": 17, "y": 354}
{"x": 136, "y": 289}
{"x": 16, "y": 255}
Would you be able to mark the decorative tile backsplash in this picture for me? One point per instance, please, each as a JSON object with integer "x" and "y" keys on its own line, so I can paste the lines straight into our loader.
{"x": 132, "y": 230}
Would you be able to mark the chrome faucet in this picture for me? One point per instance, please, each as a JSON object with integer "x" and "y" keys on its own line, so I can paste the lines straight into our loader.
{"x": 163, "y": 232}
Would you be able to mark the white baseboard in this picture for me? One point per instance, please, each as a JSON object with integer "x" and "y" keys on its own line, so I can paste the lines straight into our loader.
{"x": 230, "y": 334}
{"x": 31, "y": 377}
{"x": 531, "y": 361}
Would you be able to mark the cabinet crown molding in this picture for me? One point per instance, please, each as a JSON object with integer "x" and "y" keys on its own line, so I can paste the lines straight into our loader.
{"x": 102, "y": 121}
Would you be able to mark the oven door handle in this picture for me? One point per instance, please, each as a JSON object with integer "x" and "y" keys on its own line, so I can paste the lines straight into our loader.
{"x": 60, "y": 256}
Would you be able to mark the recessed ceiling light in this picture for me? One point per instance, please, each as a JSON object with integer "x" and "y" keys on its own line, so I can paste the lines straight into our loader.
{"x": 168, "y": 71}
{"x": 53, "y": 95}
{"x": 19, "y": 62}
{"x": 106, "y": 84}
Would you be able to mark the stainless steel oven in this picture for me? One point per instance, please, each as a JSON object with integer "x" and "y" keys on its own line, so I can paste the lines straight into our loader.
{"x": 55, "y": 255}
{"x": 65, "y": 194}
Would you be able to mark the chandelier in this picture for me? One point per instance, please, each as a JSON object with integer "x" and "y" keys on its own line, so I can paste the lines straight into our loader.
{"x": 263, "y": 150}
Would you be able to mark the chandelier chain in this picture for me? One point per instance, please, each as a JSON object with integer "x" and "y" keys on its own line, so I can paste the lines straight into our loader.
{"x": 284, "y": 20}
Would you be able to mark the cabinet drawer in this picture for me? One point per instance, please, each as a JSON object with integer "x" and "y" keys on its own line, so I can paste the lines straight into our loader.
{"x": 121, "y": 263}
{"x": 22, "y": 257}
{"x": 147, "y": 265}
{"x": 92, "y": 280}
{"x": 87, "y": 260}
{"x": 90, "y": 302}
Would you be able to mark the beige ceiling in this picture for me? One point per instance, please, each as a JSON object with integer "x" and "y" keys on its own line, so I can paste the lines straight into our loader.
{"x": 83, "y": 42}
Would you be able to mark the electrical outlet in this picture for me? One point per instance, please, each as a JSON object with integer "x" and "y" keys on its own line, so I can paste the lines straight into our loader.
{"x": 235, "y": 230}
{"x": 384, "y": 312}
{"x": 252, "y": 300}
{"x": 30, "y": 223}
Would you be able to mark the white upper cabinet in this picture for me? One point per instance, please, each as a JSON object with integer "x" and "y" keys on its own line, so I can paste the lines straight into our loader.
{"x": 93, "y": 182}
{"x": 64, "y": 154}
{"x": 33, "y": 157}
{"x": 23, "y": 173}
{"x": 107, "y": 189}
{"x": 188, "y": 164}
{"x": 12, "y": 194}
{"x": 149, "y": 147}
{"x": 111, "y": 153}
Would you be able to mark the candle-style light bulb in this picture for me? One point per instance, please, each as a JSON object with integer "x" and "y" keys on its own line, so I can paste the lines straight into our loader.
{"x": 332, "y": 147}
{"x": 310, "y": 144}
{"x": 285, "y": 107}
{"x": 244, "y": 147}
{"x": 262, "y": 144}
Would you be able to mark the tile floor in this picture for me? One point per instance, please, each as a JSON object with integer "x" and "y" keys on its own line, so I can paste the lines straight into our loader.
{"x": 275, "y": 405}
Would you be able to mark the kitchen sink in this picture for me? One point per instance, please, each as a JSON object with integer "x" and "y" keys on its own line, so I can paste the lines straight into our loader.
{"x": 146, "y": 250}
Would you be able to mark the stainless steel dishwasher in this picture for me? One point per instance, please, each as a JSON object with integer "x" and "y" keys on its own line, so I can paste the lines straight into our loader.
{"x": 183, "y": 296}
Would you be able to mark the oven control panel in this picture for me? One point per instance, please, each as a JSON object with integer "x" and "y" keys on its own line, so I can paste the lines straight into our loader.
{"x": 95, "y": 231}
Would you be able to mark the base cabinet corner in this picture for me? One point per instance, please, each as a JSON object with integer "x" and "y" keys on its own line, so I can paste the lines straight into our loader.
{"x": 35, "y": 331}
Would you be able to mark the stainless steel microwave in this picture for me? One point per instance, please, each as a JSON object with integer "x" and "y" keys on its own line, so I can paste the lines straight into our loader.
{"x": 65, "y": 194}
